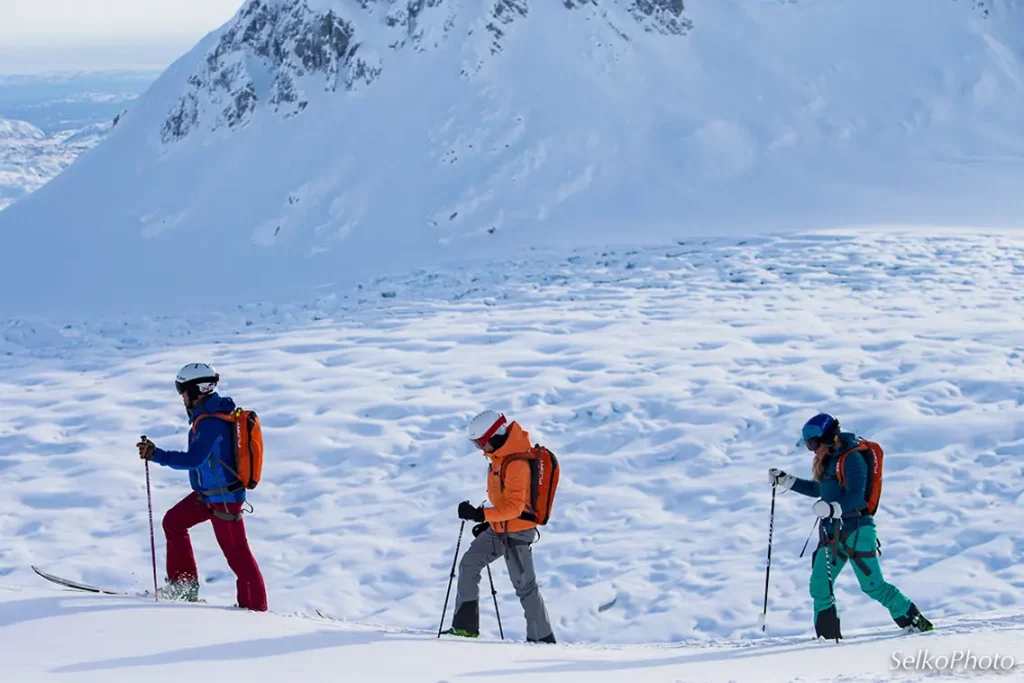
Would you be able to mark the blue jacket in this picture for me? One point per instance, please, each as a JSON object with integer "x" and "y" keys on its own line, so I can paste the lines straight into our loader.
{"x": 853, "y": 498}
{"x": 210, "y": 446}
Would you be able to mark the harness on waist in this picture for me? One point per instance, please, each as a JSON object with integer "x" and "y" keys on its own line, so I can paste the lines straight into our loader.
{"x": 845, "y": 550}
{"x": 224, "y": 513}
{"x": 204, "y": 498}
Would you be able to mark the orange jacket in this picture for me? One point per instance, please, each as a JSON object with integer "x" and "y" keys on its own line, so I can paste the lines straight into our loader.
{"x": 515, "y": 499}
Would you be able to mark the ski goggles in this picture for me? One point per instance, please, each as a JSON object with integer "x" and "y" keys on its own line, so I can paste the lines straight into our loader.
{"x": 202, "y": 386}
{"x": 813, "y": 443}
{"x": 811, "y": 437}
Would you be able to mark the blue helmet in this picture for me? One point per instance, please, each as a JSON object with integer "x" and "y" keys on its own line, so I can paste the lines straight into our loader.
{"x": 820, "y": 428}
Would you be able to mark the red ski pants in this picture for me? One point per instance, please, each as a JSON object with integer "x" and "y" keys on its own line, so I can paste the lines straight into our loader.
{"x": 181, "y": 562}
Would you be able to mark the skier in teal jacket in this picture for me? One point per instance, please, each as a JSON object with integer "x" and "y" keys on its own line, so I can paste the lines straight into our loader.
{"x": 846, "y": 529}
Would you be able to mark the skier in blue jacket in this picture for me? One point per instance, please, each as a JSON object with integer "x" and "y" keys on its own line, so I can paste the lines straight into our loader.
{"x": 217, "y": 495}
{"x": 846, "y": 528}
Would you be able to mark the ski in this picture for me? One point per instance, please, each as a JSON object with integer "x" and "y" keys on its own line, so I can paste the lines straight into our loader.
{"x": 872, "y": 636}
{"x": 76, "y": 585}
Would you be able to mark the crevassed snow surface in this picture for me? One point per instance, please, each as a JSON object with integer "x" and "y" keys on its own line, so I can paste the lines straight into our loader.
{"x": 470, "y": 130}
{"x": 668, "y": 379}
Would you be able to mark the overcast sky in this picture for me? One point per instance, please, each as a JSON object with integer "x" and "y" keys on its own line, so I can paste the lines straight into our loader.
{"x": 45, "y": 35}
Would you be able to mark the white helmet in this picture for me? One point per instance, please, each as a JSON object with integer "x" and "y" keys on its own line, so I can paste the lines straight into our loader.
{"x": 486, "y": 426}
{"x": 197, "y": 379}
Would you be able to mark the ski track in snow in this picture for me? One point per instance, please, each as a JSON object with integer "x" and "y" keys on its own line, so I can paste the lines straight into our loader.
{"x": 666, "y": 379}
{"x": 113, "y": 642}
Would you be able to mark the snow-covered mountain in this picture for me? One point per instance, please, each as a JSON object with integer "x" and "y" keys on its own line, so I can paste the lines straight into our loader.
{"x": 278, "y": 54}
{"x": 310, "y": 142}
{"x": 19, "y": 131}
{"x": 29, "y": 158}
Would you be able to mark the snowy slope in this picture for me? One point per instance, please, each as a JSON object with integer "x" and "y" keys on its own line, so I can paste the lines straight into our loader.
{"x": 90, "y": 135}
{"x": 108, "y": 640}
{"x": 668, "y": 380}
{"x": 311, "y": 142}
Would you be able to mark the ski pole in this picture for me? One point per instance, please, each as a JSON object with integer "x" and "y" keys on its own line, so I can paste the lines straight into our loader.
{"x": 494, "y": 594}
{"x": 768, "y": 565}
{"x": 152, "y": 536}
{"x": 811, "y": 533}
{"x": 828, "y": 569}
{"x": 451, "y": 578}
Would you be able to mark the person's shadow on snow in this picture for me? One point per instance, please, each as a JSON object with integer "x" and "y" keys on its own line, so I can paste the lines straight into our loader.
{"x": 30, "y": 609}
{"x": 236, "y": 650}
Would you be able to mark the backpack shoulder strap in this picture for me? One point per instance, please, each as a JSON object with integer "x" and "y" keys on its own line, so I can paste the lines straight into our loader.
{"x": 227, "y": 417}
{"x": 515, "y": 457}
{"x": 862, "y": 445}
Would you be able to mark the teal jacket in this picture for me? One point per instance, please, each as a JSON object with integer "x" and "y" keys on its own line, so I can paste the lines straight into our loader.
{"x": 852, "y": 498}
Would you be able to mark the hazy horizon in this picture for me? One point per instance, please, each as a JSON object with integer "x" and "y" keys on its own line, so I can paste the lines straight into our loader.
{"x": 103, "y": 35}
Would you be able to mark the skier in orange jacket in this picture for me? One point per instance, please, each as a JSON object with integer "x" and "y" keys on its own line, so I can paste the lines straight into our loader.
{"x": 500, "y": 531}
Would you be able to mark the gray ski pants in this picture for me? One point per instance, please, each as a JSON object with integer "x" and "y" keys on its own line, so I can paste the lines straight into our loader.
{"x": 515, "y": 548}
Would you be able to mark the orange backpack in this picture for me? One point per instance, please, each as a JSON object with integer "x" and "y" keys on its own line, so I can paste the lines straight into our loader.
{"x": 544, "y": 473}
{"x": 874, "y": 456}
{"x": 248, "y": 446}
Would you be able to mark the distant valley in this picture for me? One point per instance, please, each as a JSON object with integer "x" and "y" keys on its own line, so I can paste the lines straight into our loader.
{"x": 47, "y": 121}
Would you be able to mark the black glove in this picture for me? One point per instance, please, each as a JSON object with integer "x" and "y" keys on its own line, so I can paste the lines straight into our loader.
{"x": 470, "y": 513}
{"x": 146, "y": 448}
{"x": 480, "y": 528}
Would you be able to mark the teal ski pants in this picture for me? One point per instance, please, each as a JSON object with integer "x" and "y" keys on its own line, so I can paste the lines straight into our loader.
{"x": 867, "y": 569}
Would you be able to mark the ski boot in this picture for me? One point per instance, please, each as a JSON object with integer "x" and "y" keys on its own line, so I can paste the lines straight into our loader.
{"x": 461, "y": 633}
{"x": 179, "y": 591}
{"x": 466, "y": 620}
{"x": 826, "y": 625}
{"x": 913, "y": 621}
